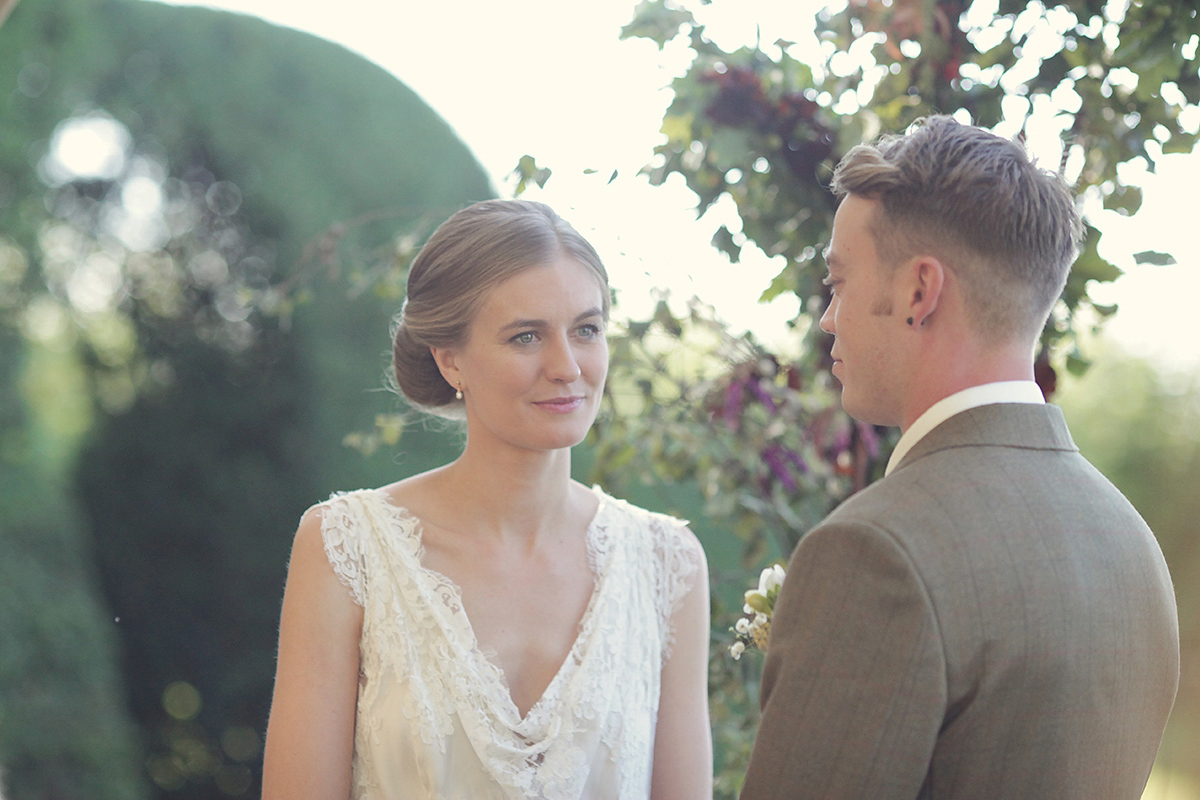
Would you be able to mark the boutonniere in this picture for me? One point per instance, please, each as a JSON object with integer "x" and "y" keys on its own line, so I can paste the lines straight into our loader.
{"x": 754, "y": 629}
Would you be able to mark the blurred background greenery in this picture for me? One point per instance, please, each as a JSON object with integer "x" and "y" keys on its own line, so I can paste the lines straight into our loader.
{"x": 204, "y": 221}
{"x": 160, "y": 440}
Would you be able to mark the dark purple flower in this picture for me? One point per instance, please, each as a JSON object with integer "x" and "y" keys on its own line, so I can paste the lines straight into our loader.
{"x": 777, "y": 459}
{"x": 762, "y": 394}
{"x": 733, "y": 403}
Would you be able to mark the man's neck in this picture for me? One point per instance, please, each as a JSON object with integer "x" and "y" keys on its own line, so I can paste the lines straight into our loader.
{"x": 1016, "y": 391}
{"x": 965, "y": 365}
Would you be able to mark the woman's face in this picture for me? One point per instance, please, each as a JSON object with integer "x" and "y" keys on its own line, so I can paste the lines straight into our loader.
{"x": 534, "y": 364}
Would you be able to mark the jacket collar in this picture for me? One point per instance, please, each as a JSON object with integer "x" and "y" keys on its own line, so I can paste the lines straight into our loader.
{"x": 1021, "y": 425}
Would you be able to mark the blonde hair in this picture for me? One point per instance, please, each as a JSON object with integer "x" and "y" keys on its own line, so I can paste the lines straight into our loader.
{"x": 468, "y": 255}
{"x": 1008, "y": 229}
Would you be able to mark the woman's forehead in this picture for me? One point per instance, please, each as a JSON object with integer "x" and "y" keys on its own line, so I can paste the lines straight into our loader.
{"x": 560, "y": 288}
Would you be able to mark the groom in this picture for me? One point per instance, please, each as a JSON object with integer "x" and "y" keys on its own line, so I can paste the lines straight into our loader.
{"x": 992, "y": 619}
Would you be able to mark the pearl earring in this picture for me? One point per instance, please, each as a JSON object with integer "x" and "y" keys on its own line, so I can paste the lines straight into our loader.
{"x": 458, "y": 393}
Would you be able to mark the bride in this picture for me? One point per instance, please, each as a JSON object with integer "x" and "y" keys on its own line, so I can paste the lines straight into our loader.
{"x": 492, "y": 629}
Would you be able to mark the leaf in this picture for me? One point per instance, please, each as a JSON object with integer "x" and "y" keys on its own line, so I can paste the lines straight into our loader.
{"x": 783, "y": 282}
{"x": 1077, "y": 365}
{"x": 1090, "y": 265}
{"x": 527, "y": 170}
{"x": 1155, "y": 258}
{"x": 723, "y": 241}
{"x": 664, "y": 317}
{"x": 1180, "y": 143}
{"x": 654, "y": 20}
{"x": 638, "y": 330}
{"x": 390, "y": 428}
{"x": 678, "y": 127}
{"x": 1125, "y": 200}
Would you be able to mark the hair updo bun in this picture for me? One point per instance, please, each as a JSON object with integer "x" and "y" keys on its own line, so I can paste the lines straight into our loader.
{"x": 468, "y": 255}
{"x": 416, "y": 373}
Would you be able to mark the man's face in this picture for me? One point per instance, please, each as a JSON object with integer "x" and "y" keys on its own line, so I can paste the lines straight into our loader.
{"x": 860, "y": 316}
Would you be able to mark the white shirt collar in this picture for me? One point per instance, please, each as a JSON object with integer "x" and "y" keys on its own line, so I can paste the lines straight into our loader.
{"x": 947, "y": 407}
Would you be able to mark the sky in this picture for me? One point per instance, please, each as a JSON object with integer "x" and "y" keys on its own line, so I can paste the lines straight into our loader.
{"x": 552, "y": 79}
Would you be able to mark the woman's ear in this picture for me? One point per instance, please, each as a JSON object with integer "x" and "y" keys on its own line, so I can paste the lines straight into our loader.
{"x": 446, "y": 359}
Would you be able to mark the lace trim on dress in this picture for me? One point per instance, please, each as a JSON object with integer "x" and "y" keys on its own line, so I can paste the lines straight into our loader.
{"x": 680, "y": 557}
{"x": 342, "y": 545}
{"x": 416, "y": 636}
{"x": 677, "y": 556}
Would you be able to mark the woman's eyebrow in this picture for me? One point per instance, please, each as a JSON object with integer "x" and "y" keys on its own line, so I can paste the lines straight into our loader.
{"x": 541, "y": 323}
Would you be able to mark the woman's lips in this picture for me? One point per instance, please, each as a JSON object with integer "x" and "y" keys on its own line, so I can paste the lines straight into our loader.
{"x": 561, "y": 405}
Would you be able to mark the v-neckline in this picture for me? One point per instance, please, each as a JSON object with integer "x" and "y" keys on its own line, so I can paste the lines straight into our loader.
{"x": 498, "y": 678}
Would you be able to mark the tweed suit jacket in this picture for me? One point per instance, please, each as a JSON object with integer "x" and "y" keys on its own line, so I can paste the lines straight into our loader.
{"x": 991, "y": 620}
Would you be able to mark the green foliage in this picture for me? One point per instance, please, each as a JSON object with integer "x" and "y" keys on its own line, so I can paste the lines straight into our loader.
{"x": 1141, "y": 428}
{"x": 63, "y": 731}
{"x": 767, "y": 130}
{"x": 224, "y": 358}
{"x": 687, "y": 402}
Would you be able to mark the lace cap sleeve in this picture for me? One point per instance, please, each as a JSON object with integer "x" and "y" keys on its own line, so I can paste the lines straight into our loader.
{"x": 343, "y": 529}
{"x": 679, "y": 557}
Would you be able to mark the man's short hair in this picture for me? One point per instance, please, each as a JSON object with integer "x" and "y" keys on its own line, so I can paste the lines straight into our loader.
{"x": 1008, "y": 229}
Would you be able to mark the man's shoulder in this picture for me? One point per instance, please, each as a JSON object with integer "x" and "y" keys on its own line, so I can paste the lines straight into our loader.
{"x": 982, "y": 496}
{"x": 1017, "y": 427}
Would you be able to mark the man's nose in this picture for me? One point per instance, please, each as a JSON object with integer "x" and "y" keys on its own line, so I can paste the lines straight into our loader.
{"x": 827, "y": 323}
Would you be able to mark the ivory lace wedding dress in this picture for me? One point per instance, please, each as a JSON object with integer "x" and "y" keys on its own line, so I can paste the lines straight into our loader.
{"x": 435, "y": 717}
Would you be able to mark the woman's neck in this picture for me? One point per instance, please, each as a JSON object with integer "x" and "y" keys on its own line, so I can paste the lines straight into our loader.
{"x": 512, "y": 492}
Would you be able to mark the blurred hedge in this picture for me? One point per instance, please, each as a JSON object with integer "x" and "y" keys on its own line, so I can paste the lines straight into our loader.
{"x": 198, "y": 413}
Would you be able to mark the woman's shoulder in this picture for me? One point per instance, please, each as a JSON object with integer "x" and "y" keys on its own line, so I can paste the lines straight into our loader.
{"x": 665, "y": 552}
{"x": 343, "y": 509}
{"x": 358, "y": 527}
{"x": 620, "y": 507}
{"x": 661, "y": 529}
{"x": 420, "y": 496}
{"x": 400, "y": 497}
{"x": 335, "y": 526}
{"x": 344, "y": 518}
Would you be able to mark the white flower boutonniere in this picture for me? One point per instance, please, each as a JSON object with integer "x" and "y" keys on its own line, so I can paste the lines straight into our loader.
{"x": 754, "y": 629}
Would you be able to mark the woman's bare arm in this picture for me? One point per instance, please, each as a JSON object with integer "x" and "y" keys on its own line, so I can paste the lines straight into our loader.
{"x": 310, "y": 736}
{"x": 683, "y": 741}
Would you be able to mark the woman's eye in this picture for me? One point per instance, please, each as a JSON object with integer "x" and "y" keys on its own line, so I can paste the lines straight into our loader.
{"x": 528, "y": 337}
{"x": 590, "y": 331}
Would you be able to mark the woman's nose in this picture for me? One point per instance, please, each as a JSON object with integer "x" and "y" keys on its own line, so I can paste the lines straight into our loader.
{"x": 563, "y": 366}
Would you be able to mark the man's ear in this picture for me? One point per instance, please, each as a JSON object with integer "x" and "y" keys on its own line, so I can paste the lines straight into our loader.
{"x": 924, "y": 281}
{"x": 446, "y": 359}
